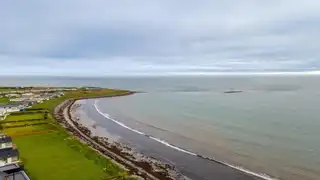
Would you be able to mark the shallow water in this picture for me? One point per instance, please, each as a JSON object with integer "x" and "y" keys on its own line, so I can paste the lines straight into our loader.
{"x": 189, "y": 164}
{"x": 274, "y": 133}
{"x": 267, "y": 130}
{"x": 271, "y": 127}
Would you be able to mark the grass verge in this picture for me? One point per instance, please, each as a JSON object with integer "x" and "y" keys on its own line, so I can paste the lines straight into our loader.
{"x": 57, "y": 155}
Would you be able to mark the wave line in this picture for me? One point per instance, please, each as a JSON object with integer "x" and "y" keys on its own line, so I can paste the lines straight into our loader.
{"x": 260, "y": 175}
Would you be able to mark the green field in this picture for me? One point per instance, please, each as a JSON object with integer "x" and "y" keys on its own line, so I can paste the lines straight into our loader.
{"x": 57, "y": 155}
{"x": 2, "y": 89}
{"x": 51, "y": 104}
{"x": 4, "y": 100}
{"x": 28, "y": 129}
{"x": 24, "y": 117}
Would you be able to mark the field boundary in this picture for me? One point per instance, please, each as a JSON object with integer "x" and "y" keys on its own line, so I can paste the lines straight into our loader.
{"x": 32, "y": 133}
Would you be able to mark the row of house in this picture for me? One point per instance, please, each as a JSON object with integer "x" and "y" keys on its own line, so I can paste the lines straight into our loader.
{"x": 37, "y": 98}
{"x": 9, "y": 154}
{"x": 25, "y": 100}
{"x": 9, "y": 158}
{"x": 42, "y": 90}
{"x": 9, "y": 108}
{"x": 6, "y": 109}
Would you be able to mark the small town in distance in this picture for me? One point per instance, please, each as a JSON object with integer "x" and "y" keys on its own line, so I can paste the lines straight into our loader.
{"x": 15, "y": 100}
{"x": 19, "y": 98}
{"x": 37, "y": 136}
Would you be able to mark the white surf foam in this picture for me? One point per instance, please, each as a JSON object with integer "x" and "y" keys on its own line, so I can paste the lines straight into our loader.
{"x": 117, "y": 122}
{"x": 260, "y": 175}
{"x": 172, "y": 146}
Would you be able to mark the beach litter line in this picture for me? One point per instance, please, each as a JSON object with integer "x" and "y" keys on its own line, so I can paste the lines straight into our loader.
{"x": 32, "y": 133}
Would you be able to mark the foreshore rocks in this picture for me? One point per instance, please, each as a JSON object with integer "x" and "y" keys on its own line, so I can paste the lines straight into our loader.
{"x": 132, "y": 161}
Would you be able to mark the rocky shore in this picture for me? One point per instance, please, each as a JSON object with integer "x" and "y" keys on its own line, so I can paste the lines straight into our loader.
{"x": 136, "y": 164}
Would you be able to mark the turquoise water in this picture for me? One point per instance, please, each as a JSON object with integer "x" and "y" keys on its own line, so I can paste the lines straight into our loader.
{"x": 271, "y": 127}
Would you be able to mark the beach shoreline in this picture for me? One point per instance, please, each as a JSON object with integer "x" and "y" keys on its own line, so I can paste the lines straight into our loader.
{"x": 236, "y": 129}
{"x": 144, "y": 167}
{"x": 154, "y": 167}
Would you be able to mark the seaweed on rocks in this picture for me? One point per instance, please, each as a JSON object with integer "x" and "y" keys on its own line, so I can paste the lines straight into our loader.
{"x": 133, "y": 161}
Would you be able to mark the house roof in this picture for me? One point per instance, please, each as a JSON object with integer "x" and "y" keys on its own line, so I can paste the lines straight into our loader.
{"x": 21, "y": 175}
{"x": 8, "y": 152}
{"x": 9, "y": 168}
{"x": 13, "y": 172}
{"x": 5, "y": 139}
{"x": 9, "y": 105}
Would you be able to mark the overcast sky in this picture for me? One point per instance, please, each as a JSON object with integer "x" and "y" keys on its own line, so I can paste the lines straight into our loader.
{"x": 102, "y": 37}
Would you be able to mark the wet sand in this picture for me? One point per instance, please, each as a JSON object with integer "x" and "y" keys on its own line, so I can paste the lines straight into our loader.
{"x": 194, "y": 167}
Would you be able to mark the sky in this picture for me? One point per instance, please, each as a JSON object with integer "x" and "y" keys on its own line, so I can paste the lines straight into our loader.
{"x": 158, "y": 37}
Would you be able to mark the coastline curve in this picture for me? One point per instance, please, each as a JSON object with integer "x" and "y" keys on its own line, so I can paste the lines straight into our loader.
{"x": 239, "y": 168}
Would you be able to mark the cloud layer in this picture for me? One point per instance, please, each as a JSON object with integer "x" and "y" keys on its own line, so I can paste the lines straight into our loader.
{"x": 77, "y": 37}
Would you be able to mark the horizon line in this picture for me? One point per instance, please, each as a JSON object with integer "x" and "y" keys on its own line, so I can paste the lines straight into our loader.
{"x": 240, "y": 73}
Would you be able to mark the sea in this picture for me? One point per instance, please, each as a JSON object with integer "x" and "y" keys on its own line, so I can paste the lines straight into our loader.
{"x": 271, "y": 127}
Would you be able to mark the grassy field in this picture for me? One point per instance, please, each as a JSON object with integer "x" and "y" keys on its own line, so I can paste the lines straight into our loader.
{"x": 2, "y": 89}
{"x": 62, "y": 157}
{"x": 57, "y": 155}
{"x": 24, "y": 117}
{"x": 28, "y": 129}
{"x": 51, "y": 104}
{"x": 5, "y": 100}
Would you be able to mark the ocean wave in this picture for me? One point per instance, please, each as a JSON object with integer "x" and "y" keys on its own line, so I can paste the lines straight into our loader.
{"x": 172, "y": 146}
{"x": 141, "y": 133}
{"x": 260, "y": 175}
{"x": 117, "y": 122}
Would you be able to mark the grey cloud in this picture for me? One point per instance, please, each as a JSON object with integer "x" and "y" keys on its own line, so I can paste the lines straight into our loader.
{"x": 164, "y": 36}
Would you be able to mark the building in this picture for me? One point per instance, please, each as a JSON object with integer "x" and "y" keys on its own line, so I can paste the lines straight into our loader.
{"x": 2, "y": 112}
{"x": 7, "y": 108}
{"x": 93, "y": 88}
{"x": 27, "y": 94}
{"x": 9, "y": 157}
{"x": 17, "y": 99}
{"x": 5, "y": 142}
{"x": 13, "y": 172}
{"x": 8, "y": 154}
{"x": 27, "y": 103}
{"x": 13, "y": 95}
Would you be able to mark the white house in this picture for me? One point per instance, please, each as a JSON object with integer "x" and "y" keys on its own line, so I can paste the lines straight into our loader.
{"x": 5, "y": 141}
{"x": 13, "y": 95}
{"x": 27, "y": 94}
{"x": 18, "y": 99}
{"x": 7, "y": 108}
{"x": 8, "y": 154}
{"x": 2, "y": 112}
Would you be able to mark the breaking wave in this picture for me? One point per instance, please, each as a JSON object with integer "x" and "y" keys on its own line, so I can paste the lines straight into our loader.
{"x": 260, "y": 175}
